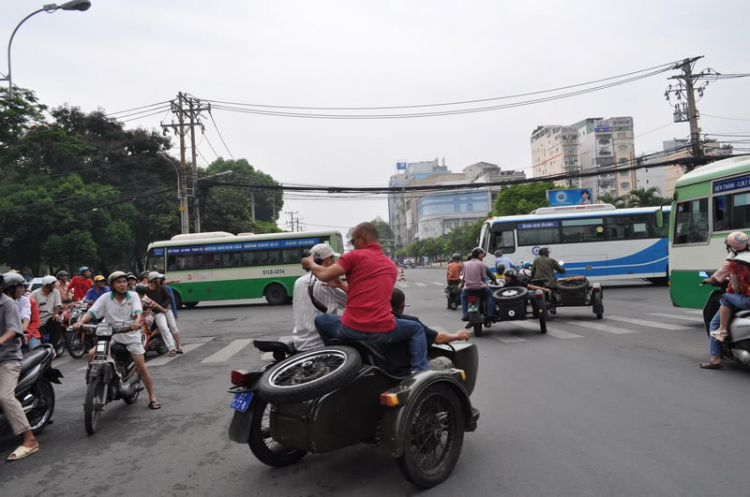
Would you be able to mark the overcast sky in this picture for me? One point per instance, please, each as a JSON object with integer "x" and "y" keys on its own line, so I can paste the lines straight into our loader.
{"x": 122, "y": 54}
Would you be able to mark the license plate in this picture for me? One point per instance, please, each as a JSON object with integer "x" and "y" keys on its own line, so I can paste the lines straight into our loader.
{"x": 473, "y": 308}
{"x": 241, "y": 401}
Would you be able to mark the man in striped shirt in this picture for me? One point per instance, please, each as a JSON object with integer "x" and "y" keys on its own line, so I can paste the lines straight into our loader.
{"x": 332, "y": 295}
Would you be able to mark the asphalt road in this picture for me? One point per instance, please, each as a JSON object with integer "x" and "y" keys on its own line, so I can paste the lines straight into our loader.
{"x": 596, "y": 407}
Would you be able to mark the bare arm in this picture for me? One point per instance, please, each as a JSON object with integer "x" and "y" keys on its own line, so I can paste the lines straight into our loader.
{"x": 322, "y": 273}
{"x": 736, "y": 283}
{"x": 7, "y": 336}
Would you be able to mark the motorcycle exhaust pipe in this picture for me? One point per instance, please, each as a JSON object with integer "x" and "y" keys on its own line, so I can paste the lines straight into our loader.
{"x": 742, "y": 355}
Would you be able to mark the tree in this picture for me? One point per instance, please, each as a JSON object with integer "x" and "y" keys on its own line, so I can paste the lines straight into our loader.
{"x": 643, "y": 197}
{"x": 608, "y": 198}
{"x": 462, "y": 239}
{"x": 522, "y": 199}
{"x": 385, "y": 234}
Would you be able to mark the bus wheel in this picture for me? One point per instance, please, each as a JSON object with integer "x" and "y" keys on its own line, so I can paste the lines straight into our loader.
{"x": 191, "y": 305}
{"x": 275, "y": 294}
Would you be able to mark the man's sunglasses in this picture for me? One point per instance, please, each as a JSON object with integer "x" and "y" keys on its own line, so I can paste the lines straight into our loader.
{"x": 351, "y": 242}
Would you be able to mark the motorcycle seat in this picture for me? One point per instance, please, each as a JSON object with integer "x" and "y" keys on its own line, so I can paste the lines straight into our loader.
{"x": 120, "y": 352}
{"x": 274, "y": 346}
{"x": 742, "y": 314}
{"x": 33, "y": 359}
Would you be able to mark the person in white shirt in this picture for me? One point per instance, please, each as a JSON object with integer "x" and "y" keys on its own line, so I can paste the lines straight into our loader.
{"x": 331, "y": 295}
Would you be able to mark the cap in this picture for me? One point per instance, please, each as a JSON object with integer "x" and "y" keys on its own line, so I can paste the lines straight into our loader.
{"x": 153, "y": 275}
{"x": 323, "y": 250}
{"x": 99, "y": 277}
{"x": 48, "y": 280}
{"x": 162, "y": 276}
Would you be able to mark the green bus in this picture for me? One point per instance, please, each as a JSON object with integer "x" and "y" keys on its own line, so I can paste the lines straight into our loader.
{"x": 709, "y": 203}
{"x": 223, "y": 266}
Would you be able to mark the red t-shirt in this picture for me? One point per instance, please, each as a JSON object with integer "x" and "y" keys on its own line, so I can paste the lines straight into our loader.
{"x": 33, "y": 329}
{"x": 80, "y": 286}
{"x": 371, "y": 276}
{"x": 742, "y": 272}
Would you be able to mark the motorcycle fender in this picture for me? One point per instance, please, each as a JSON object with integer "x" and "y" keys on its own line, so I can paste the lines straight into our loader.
{"x": 393, "y": 429}
{"x": 53, "y": 375}
{"x": 100, "y": 370}
{"x": 475, "y": 318}
{"x": 241, "y": 424}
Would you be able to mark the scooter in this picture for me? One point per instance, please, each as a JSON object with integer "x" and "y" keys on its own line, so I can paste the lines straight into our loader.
{"x": 453, "y": 294}
{"x": 737, "y": 346}
{"x": 111, "y": 375}
{"x": 34, "y": 389}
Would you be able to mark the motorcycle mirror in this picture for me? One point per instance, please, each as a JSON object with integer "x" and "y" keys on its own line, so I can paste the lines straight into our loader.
{"x": 703, "y": 274}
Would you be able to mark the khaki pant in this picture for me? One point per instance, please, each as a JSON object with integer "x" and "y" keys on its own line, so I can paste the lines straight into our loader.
{"x": 9, "y": 373}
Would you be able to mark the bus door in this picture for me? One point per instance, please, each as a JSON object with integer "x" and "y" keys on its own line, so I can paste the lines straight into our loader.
{"x": 503, "y": 238}
{"x": 580, "y": 247}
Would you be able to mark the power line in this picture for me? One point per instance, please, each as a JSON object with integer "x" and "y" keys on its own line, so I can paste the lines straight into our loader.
{"x": 727, "y": 118}
{"x": 219, "y": 132}
{"x": 136, "y": 108}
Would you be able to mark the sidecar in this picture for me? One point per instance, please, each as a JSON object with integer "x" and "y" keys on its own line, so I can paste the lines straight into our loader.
{"x": 347, "y": 393}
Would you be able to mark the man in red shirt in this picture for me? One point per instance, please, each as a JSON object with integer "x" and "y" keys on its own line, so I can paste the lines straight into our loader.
{"x": 80, "y": 284}
{"x": 371, "y": 276}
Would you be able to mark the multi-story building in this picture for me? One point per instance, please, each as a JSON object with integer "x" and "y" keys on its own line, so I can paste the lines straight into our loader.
{"x": 554, "y": 150}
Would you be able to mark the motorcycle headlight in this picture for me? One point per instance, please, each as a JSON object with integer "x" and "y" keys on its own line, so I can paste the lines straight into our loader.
{"x": 103, "y": 331}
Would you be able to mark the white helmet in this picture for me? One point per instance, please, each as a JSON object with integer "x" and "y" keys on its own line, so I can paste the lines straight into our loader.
{"x": 49, "y": 280}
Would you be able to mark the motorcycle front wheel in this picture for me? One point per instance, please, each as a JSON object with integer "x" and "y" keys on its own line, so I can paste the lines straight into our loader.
{"x": 94, "y": 404}
{"x": 76, "y": 343}
{"x": 41, "y": 414}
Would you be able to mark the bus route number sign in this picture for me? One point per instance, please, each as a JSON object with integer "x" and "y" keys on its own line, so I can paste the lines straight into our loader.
{"x": 272, "y": 271}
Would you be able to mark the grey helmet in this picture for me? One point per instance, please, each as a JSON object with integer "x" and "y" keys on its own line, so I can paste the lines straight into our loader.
{"x": 12, "y": 280}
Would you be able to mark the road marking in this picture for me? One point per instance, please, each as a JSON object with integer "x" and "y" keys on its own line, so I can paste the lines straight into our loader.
{"x": 694, "y": 319}
{"x": 402, "y": 284}
{"x": 510, "y": 339}
{"x": 554, "y": 332}
{"x": 421, "y": 284}
{"x": 162, "y": 360}
{"x": 693, "y": 311}
{"x": 649, "y": 324}
{"x": 437, "y": 283}
{"x": 228, "y": 351}
{"x": 600, "y": 327}
{"x": 60, "y": 362}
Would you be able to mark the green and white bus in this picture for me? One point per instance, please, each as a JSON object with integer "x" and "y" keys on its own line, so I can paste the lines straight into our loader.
{"x": 223, "y": 266}
{"x": 709, "y": 203}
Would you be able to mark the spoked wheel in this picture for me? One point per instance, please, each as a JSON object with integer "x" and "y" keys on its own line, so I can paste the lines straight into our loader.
{"x": 76, "y": 343}
{"x": 265, "y": 448}
{"x": 309, "y": 375}
{"x": 60, "y": 345}
{"x": 433, "y": 438}
{"x": 94, "y": 405}
{"x": 43, "y": 401}
{"x": 134, "y": 396}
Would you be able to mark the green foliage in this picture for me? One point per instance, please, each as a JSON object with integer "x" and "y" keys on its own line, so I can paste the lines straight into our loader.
{"x": 608, "y": 198}
{"x": 522, "y": 199}
{"x": 643, "y": 197}
{"x": 385, "y": 234}
{"x": 463, "y": 238}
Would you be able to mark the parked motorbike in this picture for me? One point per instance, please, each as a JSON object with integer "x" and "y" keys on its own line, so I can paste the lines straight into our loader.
{"x": 34, "y": 389}
{"x": 111, "y": 375}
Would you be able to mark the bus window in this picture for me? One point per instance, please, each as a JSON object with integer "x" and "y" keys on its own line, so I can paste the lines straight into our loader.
{"x": 484, "y": 236}
{"x": 691, "y": 222}
{"x": 721, "y": 212}
{"x": 631, "y": 227}
{"x": 502, "y": 237}
{"x": 732, "y": 212}
{"x": 538, "y": 236}
{"x": 582, "y": 230}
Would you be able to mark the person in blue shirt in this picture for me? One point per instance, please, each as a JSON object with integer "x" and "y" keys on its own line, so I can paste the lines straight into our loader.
{"x": 97, "y": 290}
{"x": 501, "y": 258}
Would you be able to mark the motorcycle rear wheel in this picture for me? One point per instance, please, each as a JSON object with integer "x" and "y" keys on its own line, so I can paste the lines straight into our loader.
{"x": 40, "y": 416}
{"x": 93, "y": 405}
{"x": 264, "y": 448}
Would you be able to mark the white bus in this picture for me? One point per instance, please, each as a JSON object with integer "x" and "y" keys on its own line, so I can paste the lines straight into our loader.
{"x": 597, "y": 241}
{"x": 223, "y": 266}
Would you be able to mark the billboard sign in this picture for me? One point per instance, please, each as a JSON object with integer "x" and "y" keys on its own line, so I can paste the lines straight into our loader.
{"x": 580, "y": 196}
{"x": 400, "y": 166}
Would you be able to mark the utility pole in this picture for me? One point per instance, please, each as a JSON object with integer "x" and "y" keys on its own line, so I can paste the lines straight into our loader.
{"x": 184, "y": 214}
{"x": 292, "y": 222}
{"x": 687, "y": 110}
{"x": 252, "y": 205}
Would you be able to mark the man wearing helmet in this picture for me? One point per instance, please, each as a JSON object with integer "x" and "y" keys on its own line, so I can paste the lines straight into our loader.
{"x": 80, "y": 284}
{"x": 737, "y": 296}
{"x": 100, "y": 288}
{"x": 502, "y": 260}
{"x": 11, "y": 337}
{"x": 455, "y": 268}
{"x": 545, "y": 268}
{"x": 62, "y": 286}
{"x": 475, "y": 273}
{"x": 50, "y": 309}
{"x": 118, "y": 307}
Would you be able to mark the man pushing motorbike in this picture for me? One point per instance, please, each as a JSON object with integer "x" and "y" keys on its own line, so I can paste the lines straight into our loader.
{"x": 371, "y": 276}
{"x": 122, "y": 306}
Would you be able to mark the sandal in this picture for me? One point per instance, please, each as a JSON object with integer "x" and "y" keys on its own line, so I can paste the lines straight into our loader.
{"x": 710, "y": 365}
{"x": 179, "y": 351}
{"x": 21, "y": 452}
{"x": 720, "y": 335}
{"x": 153, "y": 405}
{"x": 172, "y": 353}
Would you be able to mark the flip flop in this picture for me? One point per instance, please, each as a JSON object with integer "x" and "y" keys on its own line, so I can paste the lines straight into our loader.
{"x": 22, "y": 452}
{"x": 179, "y": 351}
{"x": 154, "y": 405}
{"x": 710, "y": 365}
{"x": 172, "y": 353}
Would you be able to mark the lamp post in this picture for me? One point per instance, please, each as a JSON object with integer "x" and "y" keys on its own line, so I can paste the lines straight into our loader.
{"x": 79, "y": 5}
{"x": 181, "y": 194}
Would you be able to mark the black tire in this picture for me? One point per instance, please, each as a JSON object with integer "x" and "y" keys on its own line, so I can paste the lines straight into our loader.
{"x": 275, "y": 294}
{"x": 309, "y": 375}
{"x": 60, "y": 345}
{"x": 436, "y": 415}
{"x": 130, "y": 400}
{"x": 263, "y": 446}
{"x": 510, "y": 294}
{"x": 177, "y": 299}
{"x": 75, "y": 341}
{"x": 453, "y": 305}
{"x": 478, "y": 330}
{"x": 162, "y": 349}
{"x": 543, "y": 325}
{"x": 93, "y": 405}
{"x": 598, "y": 307}
{"x": 191, "y": 305}
{"x": 40, "y": 416}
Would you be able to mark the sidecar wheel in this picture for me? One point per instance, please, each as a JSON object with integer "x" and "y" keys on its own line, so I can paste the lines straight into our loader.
{"x": 263, "y": 446}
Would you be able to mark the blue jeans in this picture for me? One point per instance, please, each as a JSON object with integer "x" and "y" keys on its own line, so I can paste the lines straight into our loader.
{"x": 734, "y": 300}
{"x": 329, "y": 326}
{"x": 33, "y": 343}
{"x": 488, "y": 300}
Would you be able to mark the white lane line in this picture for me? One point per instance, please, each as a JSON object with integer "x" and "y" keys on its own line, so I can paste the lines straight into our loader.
{"x": 437, "y": 283}
{"x": 421, "y": 284}
{"x": 648, "y": 324}
{"x": 509, "y": 339}
{"x": 553, "y": 332}
{"x": 228, "y": 351}
{"x": 693, "y": 318}
{"x": 161, "y": 361}
{"x": 600, "y": 327}
{"x": 692, "y": 311}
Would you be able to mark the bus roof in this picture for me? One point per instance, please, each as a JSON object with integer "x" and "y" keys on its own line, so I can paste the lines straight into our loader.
{"x": 714, "y": 170}
{"x": 239, "y": 238}
{"x": 574, "y": 214}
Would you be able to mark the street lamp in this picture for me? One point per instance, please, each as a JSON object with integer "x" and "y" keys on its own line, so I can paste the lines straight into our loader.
{"x": 79, "y": 5}
{"x": 181, "y": 194}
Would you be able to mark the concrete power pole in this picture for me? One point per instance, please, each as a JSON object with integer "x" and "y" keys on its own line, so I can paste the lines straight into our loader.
{"x": 687, "y": 111}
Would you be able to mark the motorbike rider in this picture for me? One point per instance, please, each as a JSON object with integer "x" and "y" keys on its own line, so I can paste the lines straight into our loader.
{"x": 171, "y": 312}
{"x": 122, "y": 306}
{"x": 158, "y": 294}
{"x": 62, "y": 286}
{"x": 50, "y": 309}
{"x": 475, "y": 273}
{"x": 81, "y": 283}
{"x": 100, "y": 288}
{"x": 545, "y": 267}
{"x": 330, "y": 295}
{"x": 455, "y": 268}
{"x": 149, "y": 306}
{"x": 504, "y": 260}
{"x": 11, "y": 337}
{"x": 132, "y": 282}
{"x": 737, "y": 295}
{"x": 371, "y": 276}
{"x": 525, "y": 272}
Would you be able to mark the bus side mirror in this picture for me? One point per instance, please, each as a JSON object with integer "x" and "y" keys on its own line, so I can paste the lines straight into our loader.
{"x": 659, "y": 218}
